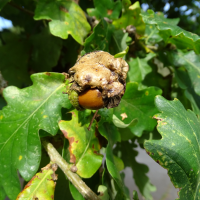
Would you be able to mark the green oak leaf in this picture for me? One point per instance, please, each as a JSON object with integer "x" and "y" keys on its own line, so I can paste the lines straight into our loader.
{"x": 15, "y": 70}
{"x": 126, "y": 151}
{"x": 191, "y": 62}
{"x": 171, "y": 33}
{"x": 66, "y": 18}
{"x": 185, "y": 83}
{"x": 103, "y": 36}
{"x": 28, "y": 110}
{"x": 187, "y": 74}
{"x": 2, "y": 193}
{"x": 152, "y": 34}
{"x": 45, "y": 52}
{"x": 83, "y": 146}
{"x": 139, "y": 68}
{"x": 99, "y": 39}
{"x": 41, "y": 186}
{"x": 178, "y": 150}
{"x": 138, "y": 104}
{"x": 105, "y": 8}
{"x": 131, "y": 16}
{"x": 110, "y": 132}
{"x": 119, "y": 47}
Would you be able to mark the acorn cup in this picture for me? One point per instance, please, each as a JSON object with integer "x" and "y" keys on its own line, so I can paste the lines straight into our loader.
{"x": 98, "y": 80}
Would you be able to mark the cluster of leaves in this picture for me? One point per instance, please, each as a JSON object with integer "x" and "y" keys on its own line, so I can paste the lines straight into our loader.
{"x": 49, "y": 35}
{"x": 187, "y": 11}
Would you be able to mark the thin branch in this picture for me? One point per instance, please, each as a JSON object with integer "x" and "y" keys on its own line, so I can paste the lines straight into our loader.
{"x": 65, "y": 167}
{"x": 21, "y": 8}
{"x": 95, "y": 114}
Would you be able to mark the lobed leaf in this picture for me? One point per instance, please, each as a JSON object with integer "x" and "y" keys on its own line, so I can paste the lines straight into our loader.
{"x": 172, "y": 33}
{"x": 105, "y": 8}
{"x": 66, "y": 18}
{"x": 83, "y": 146}
{"x": 28, "y": 110}
{"x": 138, "y": 104}
{"x": 178, "y": 150}
{"x": 130, "y": 16}
{"x": 41, "y": 186}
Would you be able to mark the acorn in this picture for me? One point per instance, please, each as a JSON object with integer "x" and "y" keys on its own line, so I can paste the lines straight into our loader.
{"x": 91, "y": 99}
{"x": 98, "y": 80}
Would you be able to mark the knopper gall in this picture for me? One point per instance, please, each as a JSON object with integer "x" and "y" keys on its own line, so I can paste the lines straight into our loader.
{"x": 98, "y": 80}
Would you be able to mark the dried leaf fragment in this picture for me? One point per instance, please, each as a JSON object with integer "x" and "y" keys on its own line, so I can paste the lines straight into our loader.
{"x": 124, "y": 116}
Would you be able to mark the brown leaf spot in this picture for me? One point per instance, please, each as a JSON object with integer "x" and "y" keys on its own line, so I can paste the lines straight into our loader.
{"x": 73, "y": 114}
{"x": 63, "y": 9}
{"x": 101, "y": 193}
{"x": 124, "y": 116}
{"x": 71, "y": 140}
{"x": 97, "y": 153}
{"x": 158, "y": 161}
{"x": 52, "y": 196}
{"x": 158, "y": 118}
{"x": 109, "y": 12}
{"x": 54, "y": 176}
{"x": 48, "y": 73}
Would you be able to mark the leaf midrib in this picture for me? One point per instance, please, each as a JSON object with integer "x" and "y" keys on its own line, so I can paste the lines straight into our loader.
{"x": 30, "y": 196}
{"x": 86, "y": 148}
{"x": 30, "y": 116}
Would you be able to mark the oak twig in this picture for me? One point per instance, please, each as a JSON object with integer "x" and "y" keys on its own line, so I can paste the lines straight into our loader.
{"x": 95, "y": 114}
{"x": 21, "y": 8}
{"x": 65, "y": 167}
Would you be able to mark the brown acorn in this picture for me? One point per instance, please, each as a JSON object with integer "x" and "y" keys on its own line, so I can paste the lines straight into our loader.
{"x": 91, "y": 99}
{"x": 98, "y": 80}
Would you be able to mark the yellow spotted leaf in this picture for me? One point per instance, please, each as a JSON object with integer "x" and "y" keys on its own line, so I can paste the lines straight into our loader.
{"x": 179, "y": 149}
